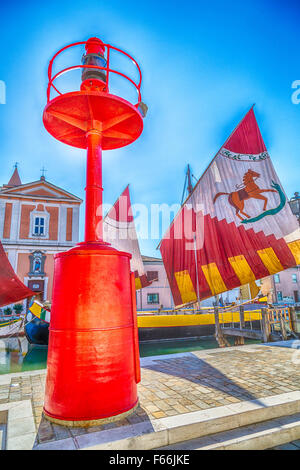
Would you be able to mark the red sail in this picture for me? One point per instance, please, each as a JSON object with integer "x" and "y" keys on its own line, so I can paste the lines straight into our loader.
{"x": 235, "y": 227}
{"x": 119, "y": 230}
{"x": 11, "y": 288}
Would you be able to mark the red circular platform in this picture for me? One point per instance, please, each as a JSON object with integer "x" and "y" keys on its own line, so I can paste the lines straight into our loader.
{"x": 70, "y": 116}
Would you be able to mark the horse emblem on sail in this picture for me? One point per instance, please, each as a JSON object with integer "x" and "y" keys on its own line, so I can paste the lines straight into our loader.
{"x": 249, "y": 189}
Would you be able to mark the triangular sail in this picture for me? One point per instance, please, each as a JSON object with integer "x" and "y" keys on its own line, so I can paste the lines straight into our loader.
{"x": 237, "y": 223}
{"x": 119, "y": 230}
{"x": 12, "y": 288}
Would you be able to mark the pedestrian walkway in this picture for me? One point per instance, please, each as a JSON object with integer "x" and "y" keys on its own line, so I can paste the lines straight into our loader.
{"x": 172, "y": 386}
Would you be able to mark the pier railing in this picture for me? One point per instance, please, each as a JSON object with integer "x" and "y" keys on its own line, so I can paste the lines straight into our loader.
{"x": 263, "y": 324}
{"x": 274, "y": 324}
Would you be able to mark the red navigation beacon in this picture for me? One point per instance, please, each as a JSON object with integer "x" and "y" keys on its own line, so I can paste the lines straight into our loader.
{"x": 93, "y": 354}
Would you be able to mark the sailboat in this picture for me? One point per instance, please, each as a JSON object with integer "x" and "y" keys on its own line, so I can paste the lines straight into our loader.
{"x": 235, "y": 227}
{"x": 119, "y": 230}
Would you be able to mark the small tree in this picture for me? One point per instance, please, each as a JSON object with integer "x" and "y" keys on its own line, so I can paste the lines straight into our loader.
{"x": 7, "y": 311}
{"x": 18, "y": 308}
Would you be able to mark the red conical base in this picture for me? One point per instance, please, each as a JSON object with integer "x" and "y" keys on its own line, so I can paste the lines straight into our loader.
{"x": 93, "y": 358}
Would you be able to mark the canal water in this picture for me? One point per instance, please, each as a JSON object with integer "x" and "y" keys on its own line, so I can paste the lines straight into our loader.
{"x": 17, "y": 355}
{"x": 157, "y": 348}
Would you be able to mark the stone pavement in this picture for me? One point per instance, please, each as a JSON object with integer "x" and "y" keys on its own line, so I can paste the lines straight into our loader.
{"x": 177, "y": 384}
{"x": 294, "y": 445}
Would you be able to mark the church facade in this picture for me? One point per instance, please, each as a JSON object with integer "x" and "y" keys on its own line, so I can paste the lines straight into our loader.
{"x": 37, "y": 220}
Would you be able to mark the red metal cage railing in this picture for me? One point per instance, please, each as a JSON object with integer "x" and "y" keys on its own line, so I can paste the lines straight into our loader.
{"x": 108, "y": 70}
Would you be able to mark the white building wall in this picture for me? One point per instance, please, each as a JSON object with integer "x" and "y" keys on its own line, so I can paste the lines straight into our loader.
{"x": 285, "y": 284}
{"x": 62, "y": 224}
{"x": 75, "y": 228}
{"x": 160, "y": 287}
{"x": 15, "y": 220}
{"x": 2, "y": 215}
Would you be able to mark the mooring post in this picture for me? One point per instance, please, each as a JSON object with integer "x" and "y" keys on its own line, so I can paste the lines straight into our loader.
{"x": 293, "y": 319}
{"x": 242, "y": 316}
{"x": 222, "y": 342}
{"x": 265, "y": 322}
{"x": 240, "y": 340}
{"x": 282, "y": 326}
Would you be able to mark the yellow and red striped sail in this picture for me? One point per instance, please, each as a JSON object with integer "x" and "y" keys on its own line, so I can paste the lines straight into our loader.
{"x": 119, "y": 230}
{"x": 235, "y": 227}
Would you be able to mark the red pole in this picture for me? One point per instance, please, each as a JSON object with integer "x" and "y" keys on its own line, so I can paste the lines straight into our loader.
{"x": 93, "y": 208}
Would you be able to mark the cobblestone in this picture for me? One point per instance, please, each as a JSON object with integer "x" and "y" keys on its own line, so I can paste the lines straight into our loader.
{"x": 179, "y": 385}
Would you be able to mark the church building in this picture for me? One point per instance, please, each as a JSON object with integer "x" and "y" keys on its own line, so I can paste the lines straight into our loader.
{"x": 37, "y": 220}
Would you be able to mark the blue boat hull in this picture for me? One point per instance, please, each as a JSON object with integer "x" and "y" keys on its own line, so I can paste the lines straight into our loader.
{"x": 37, "y": 331}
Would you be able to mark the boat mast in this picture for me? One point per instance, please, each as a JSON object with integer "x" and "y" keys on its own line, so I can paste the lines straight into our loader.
{"x": 188, "y": 185}
{"x": 197, "y": 276}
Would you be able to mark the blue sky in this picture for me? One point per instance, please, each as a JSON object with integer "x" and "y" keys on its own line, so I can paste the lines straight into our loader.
{"x": 203, "y": 63}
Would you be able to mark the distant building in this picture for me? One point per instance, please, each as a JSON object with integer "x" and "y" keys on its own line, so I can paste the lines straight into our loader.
{"x": 283, "y": 287}
{"x": 158, "y": 295}
{"x": 295, "y": 205}
{"x": 37, "y": 220}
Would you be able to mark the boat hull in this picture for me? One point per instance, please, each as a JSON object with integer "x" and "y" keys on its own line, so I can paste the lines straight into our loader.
{"x": 158, "y": 326}
{"x": 11, "y": 328}
{"x": 185, "y": 331}
{"x": 187, "y": 325}
{"x": 37, "y": 331}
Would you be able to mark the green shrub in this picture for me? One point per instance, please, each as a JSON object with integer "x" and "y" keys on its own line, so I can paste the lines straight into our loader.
{"x": 18, "y": 308}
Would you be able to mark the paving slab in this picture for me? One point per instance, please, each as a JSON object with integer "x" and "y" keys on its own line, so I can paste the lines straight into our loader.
{"x": 2, "y": 436}
{"x": 289, "y": 446}
{"x": 259, "y": 436}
